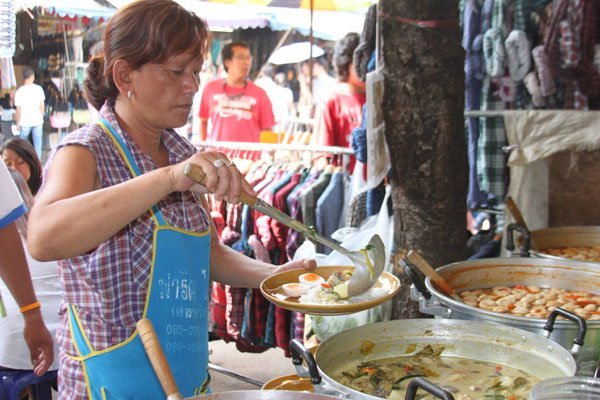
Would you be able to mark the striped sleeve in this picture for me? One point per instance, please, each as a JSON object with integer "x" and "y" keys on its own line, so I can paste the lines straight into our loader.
{"x": 11, "y": 203}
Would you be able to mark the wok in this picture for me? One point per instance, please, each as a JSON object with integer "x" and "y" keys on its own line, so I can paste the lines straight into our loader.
{"x": 477, "y": 340}
{"x": 565, "y": 236}
{"x": 486, "y": 273}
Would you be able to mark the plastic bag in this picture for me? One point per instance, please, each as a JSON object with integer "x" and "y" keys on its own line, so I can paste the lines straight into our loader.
{"x": 356, "y": 185}
{"x": 378, "y": 156}
{"x": 327, "y": 326}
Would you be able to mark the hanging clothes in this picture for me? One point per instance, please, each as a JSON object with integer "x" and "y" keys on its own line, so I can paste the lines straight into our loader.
{"x": 244, "y": 315}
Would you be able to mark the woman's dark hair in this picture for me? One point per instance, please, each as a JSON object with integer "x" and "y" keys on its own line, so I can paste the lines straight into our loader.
{"x": 26, "y": 151}
{"x": 343, "y": 53}
{"x": 139, "y": 33}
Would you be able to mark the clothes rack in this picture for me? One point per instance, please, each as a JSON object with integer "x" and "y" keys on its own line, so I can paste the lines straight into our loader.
{"x": 272, "y": 147}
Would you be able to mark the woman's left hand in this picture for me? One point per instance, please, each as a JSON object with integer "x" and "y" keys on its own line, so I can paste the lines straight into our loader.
{"x": 307, "y": 264}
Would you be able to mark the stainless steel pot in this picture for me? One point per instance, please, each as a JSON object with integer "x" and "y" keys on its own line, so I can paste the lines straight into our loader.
{"x": 491, "y": 272}
{"x": 565, "y": 236}
{"x": 479, "y": 340}
{"x": 263, "y": 395}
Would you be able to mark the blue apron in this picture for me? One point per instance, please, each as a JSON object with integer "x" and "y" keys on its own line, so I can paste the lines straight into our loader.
{"x": 177, "y": 306}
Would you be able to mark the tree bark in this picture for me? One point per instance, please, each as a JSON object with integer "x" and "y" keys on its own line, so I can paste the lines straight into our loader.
{"x": 423, "y": 108}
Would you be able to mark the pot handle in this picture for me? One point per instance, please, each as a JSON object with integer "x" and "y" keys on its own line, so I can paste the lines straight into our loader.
{"x": 299, "y": 353}
{"x": 416, "y": 277}
{"x": 416, "y": 383}
{"x": 549, "y": 327}
{"x": 510, "y": 245}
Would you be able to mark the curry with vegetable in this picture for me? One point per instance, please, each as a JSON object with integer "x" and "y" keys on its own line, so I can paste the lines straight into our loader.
{"x": 466, "y": 379}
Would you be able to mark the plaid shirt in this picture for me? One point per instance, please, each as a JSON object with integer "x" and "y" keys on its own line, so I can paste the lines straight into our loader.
{"x": 491, "y": 160}
{"x": 108, "y": 285}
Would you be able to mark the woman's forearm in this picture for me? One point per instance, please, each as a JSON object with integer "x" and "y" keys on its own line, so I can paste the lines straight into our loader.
{"x": 13, "y": 266}
{"x": 67, "y": 227}
{"x": 235, "y": 269}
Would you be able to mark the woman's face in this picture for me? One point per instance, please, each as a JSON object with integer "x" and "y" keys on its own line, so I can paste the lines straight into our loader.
{"x": 13, "y": 161}
{"x": 163, "y": 93}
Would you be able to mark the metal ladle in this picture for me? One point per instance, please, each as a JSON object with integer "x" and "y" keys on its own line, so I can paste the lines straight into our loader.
{"x": 363, "y": 277}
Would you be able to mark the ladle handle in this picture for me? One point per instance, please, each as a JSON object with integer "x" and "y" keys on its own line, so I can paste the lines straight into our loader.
{"x": 197, "y": 174}
{"x": 516, "y": 213}
{"x": 157, "y": 359}
{"x": 416, "y": 383}
{"x": 428, "y": 270}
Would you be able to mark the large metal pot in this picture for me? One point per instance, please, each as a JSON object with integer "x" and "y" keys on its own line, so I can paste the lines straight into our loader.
{"x": 491, "y": 272}
{"x": 263, "y": 395}
{"x": 478, "y": 340}
{"x": 565, "y": 236}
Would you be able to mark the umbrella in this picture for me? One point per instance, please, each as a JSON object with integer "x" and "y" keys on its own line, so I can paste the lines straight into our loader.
{"x": 294, "y": 53}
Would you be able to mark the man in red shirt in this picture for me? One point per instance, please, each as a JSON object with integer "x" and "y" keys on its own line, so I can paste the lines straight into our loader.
{"x": 341, "y": 112}
{"x": 238, "y": 109}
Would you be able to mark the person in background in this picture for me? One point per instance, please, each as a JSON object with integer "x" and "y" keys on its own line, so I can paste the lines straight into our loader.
{"x": 19, "y": 154}
{"x": 322, "y": 82}
{"x": 237, "y": 108}
{"x": 341, "y": 111}
{"x": 29, "y": 100}
{"x": 282, "y": 98}
{"x": 132, "y": 232}
{"x": 15, "y": 274}
{"x": 46, "y": 284}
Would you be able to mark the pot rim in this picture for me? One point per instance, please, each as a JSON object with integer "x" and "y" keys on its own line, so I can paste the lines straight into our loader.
{"x": 529, "y": 321}
{"x": 508, "y": 336}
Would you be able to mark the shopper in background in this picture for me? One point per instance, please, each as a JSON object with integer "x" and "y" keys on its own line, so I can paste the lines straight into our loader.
{"x": 19, "y": 154}
{"x": 237, "y": 108}
{"x": 29, "y": 100}
{"x": 46, "y": 284}
{"x": 341, "y": 111}
{"x": 322, "y": 83}
{"x": 132, "y": 232}
{"x": 281, "y": 97}
{"x": 15, "y": 274}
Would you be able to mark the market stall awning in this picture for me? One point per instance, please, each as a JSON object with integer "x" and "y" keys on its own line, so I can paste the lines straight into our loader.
{"x": 328, "y": 25}
{"x": 225, "y": 16}
{"x": 62, "y": 8}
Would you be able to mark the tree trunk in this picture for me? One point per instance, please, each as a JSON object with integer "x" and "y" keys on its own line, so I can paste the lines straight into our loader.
{"x": 423, "y": 111}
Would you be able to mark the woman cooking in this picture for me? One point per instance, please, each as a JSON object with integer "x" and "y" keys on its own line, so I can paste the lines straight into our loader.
{"x": 132, "y": 231}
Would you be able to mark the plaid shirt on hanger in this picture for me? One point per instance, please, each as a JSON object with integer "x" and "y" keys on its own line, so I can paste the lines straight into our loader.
{"x": 491, "y": 160}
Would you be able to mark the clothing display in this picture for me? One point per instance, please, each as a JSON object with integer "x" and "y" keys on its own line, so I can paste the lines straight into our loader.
{"x": 7, "y": 72}
{"x": 521, "y": 55}
{"x": 235, "y": 114}
{"x": 306, "y": 193}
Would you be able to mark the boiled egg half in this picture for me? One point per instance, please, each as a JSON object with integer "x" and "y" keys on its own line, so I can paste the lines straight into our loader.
{"x": 311, "y": 280}
{"x": 294, "y": 289}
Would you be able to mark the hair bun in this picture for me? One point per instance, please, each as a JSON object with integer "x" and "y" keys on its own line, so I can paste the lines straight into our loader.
{"x": 95, "y": 87}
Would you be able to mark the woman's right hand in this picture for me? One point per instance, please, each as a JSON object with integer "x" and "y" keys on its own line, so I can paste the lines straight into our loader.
{"x": 224, "y": 181}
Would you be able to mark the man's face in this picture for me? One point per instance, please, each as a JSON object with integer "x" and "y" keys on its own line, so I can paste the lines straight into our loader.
{"x": 240, "y": 64}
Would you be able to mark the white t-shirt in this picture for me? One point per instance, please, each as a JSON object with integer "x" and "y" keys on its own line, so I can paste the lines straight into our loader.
{"x": 11, "y": 204}
{"x": 29, "y": 97}
{"x": 281, "y": 98}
